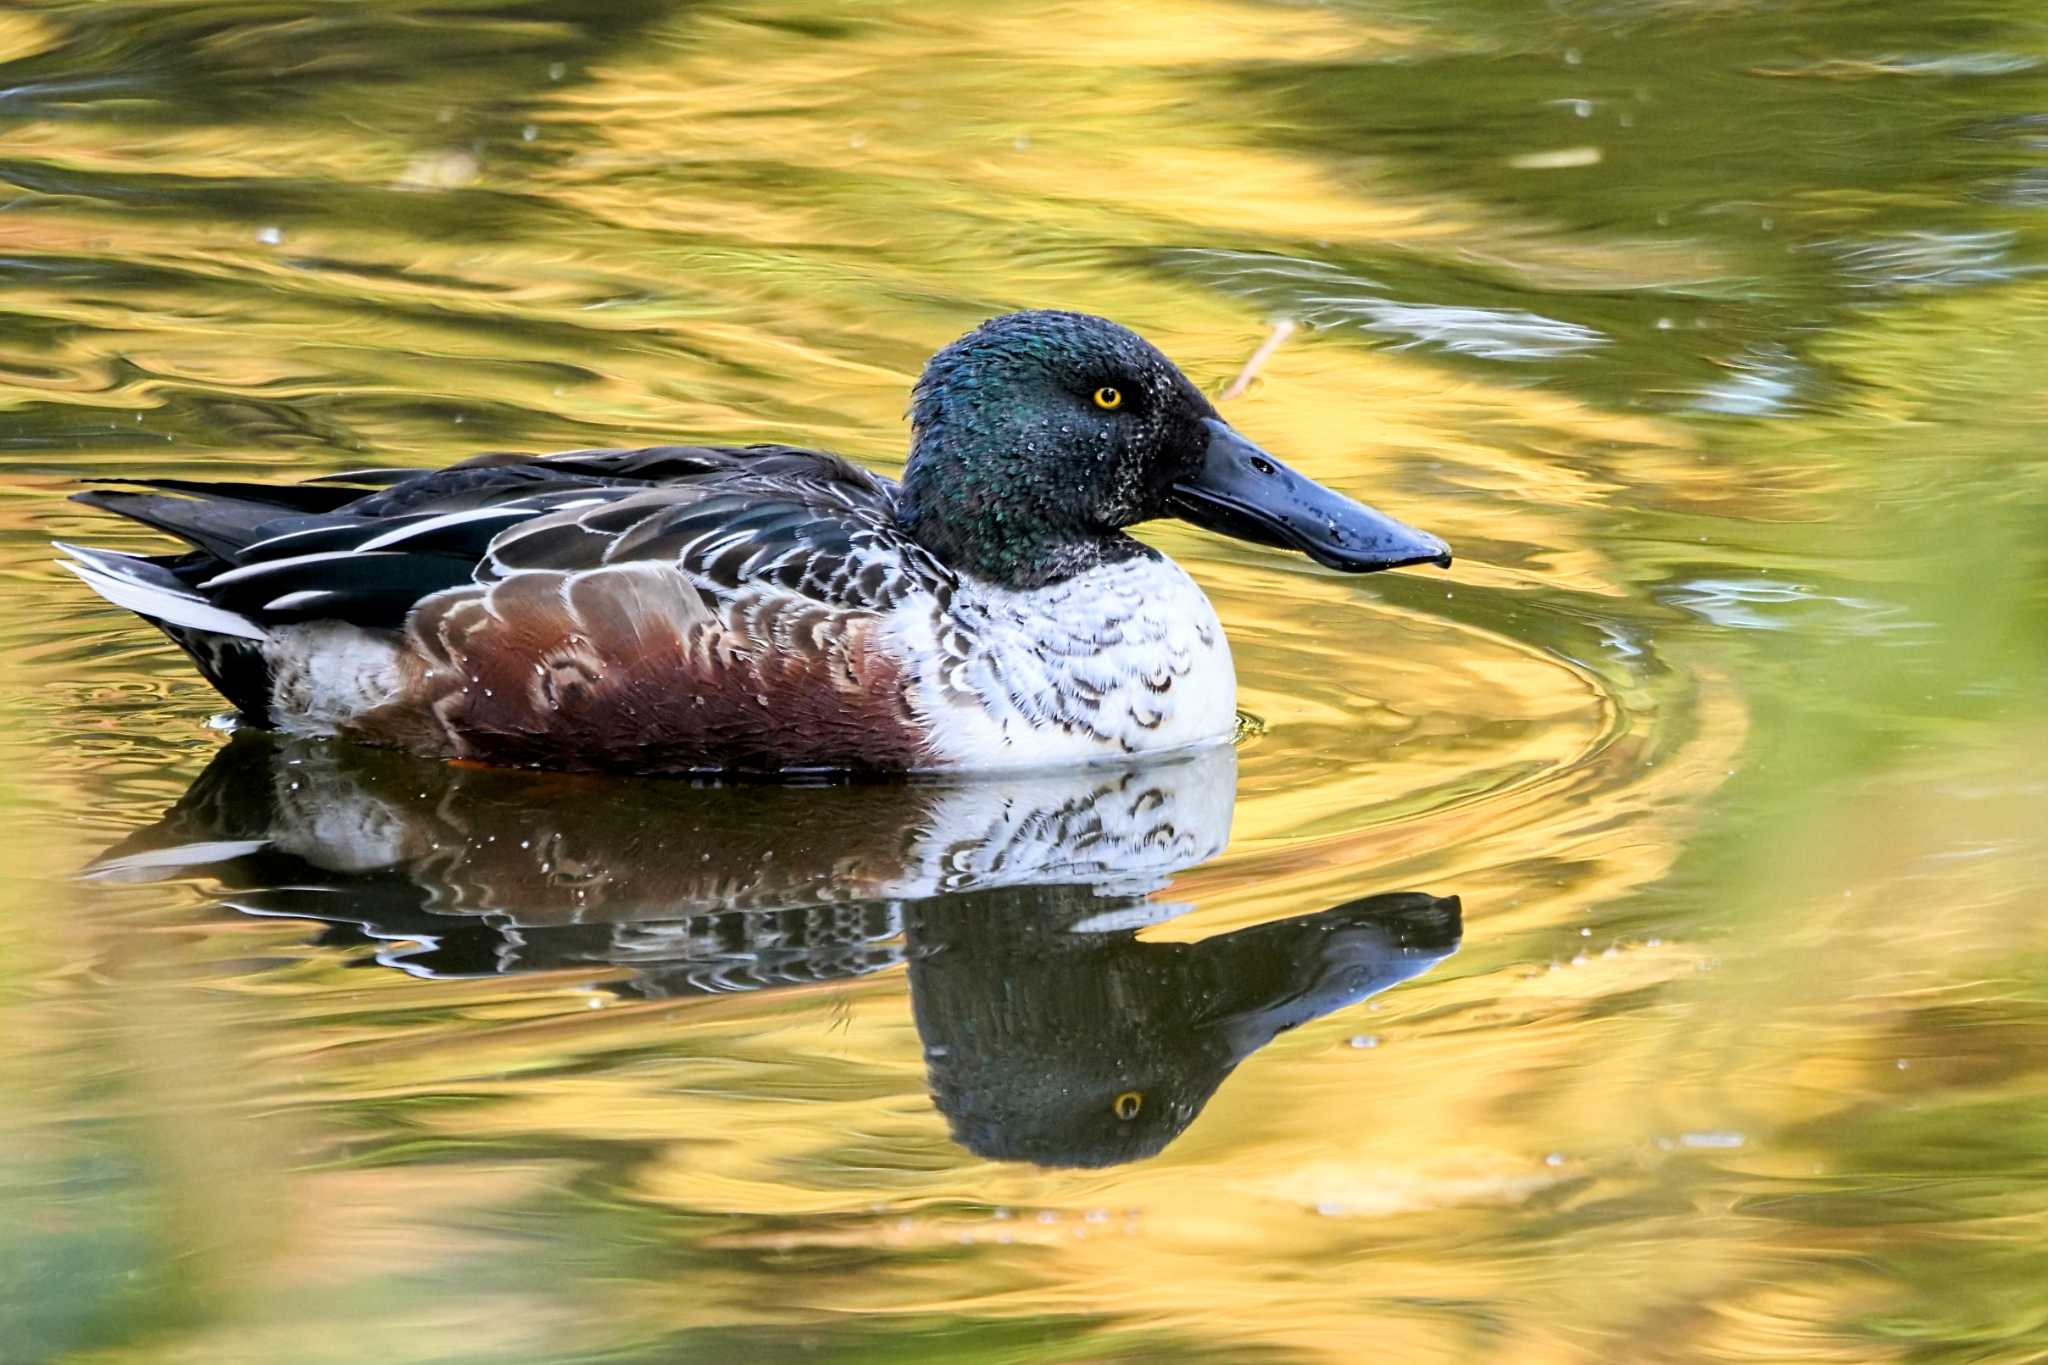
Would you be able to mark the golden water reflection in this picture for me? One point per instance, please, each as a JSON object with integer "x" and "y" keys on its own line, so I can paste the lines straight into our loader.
{"x": 1050, "y": 1033}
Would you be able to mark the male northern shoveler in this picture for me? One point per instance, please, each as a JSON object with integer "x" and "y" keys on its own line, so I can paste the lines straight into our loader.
{"x": 705, "y": 608}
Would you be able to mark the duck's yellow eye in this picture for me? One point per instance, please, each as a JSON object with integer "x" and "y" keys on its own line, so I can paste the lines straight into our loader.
{"x": 1109, "y": 400}
{"x": 1128, "y": 1104}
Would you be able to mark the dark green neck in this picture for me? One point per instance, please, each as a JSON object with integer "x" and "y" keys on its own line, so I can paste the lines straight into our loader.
{"x": 1005, "y": 519}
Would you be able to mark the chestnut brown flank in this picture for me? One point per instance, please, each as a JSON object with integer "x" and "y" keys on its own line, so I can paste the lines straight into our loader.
{"x": 630, "y": 667}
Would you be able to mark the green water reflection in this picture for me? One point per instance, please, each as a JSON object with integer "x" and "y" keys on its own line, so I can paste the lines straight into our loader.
{"x": 1710, "y": 333}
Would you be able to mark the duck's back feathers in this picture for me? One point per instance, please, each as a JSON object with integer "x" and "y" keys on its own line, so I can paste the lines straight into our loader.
{"x": 676, "y": 607}
{"x": 287, "y": 553}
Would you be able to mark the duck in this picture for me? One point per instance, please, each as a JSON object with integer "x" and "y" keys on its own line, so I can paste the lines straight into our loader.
{"x": 761, "y": 609}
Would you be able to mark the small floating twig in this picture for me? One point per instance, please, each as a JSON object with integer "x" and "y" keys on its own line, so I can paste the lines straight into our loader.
{"x": 1282, "y": 330}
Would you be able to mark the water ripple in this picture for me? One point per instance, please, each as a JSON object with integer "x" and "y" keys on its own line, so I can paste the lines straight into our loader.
{"x": 1319, "y": 294}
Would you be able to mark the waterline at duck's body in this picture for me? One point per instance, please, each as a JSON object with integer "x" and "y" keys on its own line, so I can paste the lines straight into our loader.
{"x": 557, "y": 671}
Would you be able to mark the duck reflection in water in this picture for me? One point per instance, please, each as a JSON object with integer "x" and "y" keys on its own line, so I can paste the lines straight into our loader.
{"x": 1052, "y": 1033}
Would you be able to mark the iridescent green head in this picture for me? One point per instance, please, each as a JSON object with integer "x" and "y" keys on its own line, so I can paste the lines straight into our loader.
{"x": 1039, "y": 437}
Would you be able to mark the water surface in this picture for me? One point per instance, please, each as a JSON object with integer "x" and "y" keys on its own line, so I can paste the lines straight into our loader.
{"x": 1624, "y": 947}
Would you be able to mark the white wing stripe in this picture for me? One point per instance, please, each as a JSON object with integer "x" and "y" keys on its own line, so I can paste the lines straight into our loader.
{"x": 249, "y": 571}
{"x": 160, "y": 603}
{"x": 271, "y": 542}
{"x": 399, "y": 535}
{"x": 292, "y": 601}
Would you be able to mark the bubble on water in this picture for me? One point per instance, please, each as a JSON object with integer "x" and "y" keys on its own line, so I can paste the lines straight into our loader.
{"x": 1715, "y": 1141}
{"x": 1554, "y": 1159}
{"x": 270, "y": 236}
{"x": 438, "y": 171}
{"x": 1365, "y": 1040}
{"x": 528, "y": 133}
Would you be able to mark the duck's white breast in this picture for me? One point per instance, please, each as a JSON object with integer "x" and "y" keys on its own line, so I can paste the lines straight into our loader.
{"x": 1126, "y": 658}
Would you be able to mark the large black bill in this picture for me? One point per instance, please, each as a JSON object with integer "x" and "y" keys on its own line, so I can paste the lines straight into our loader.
{"x": 1242, "y": 491}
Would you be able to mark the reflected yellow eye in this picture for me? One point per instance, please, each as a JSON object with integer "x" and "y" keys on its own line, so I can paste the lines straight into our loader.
{"x": 1109, "y": 400}
{"x": 1128, "y": 1104}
